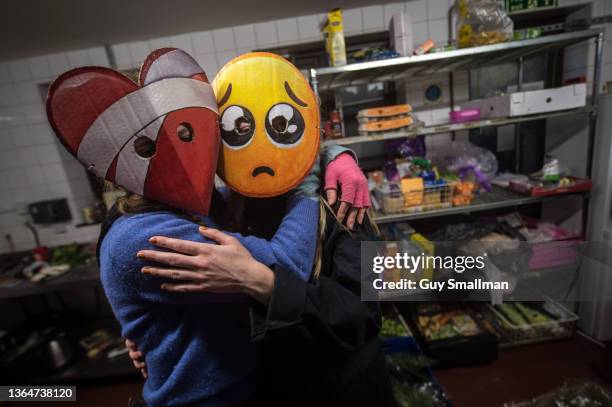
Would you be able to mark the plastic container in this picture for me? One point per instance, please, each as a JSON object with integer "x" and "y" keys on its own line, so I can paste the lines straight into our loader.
{"x": 563, "y": 326}
{"x": 393, "y": 199}
{"x": 480, "y": 347}
{"x": 465, "y": 115}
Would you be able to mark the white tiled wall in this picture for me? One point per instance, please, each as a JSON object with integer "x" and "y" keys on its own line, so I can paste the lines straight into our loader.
{"x": 215, "y": 47}
{"x": 33, "y": 167}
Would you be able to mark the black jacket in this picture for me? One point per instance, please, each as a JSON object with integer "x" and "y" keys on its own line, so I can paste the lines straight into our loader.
{"x": 319, "y": 340}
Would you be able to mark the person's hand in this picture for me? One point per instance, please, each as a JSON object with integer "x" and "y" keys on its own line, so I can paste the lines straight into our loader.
{"x": 223, "y": 268}
{"x": 137, "y": 358}
{"x": 344, "y": 173}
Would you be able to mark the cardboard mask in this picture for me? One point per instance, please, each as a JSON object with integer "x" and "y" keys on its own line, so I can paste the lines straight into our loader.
{"x": 159, "y": 139}
{"x": 269, "y": 121}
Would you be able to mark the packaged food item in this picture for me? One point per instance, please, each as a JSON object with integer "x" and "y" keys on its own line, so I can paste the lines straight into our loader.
{"x": 463, "y": 193}
{"x": 376, "y": 177}
{"x": 552, "y": 246}
{"x": 450, "y": 334}
{"x": 385, "y": 119}
{"x": 428, "y": 248}
{"x": 411, "y": 376}
{"x": 532, "y": 321}
{"x": 392, "y": 327}
{"x": 372, "y": 54}
{"x": 327, "y": 130}
{"x": 412, "y": 380}
{"x": 390, "y": 197}
{"x": 540, "y": 188}
{"x": 481, "y": 22}
{"x": 412, "y": 188}
{"x": 527, "y": 33}
{"x": 470, "y": 162}
{"x": 464, "y": 115}
{"x": 520, "y": 5}
{"x": 386, "y": 126}
{"x": 408, "y": 147}
{"x": 333, "y": 30}
{"x": 425, "y": 47}
{"x": 446, "y": 325}
{"x": 383, "y": 113}
{"x": 336, "y": 124}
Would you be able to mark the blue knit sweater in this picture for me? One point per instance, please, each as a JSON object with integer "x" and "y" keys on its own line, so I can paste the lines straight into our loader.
{"x": 197, "y": 346}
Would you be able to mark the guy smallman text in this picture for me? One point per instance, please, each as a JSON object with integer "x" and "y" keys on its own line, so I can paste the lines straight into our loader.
{"x": 413, "y": 264}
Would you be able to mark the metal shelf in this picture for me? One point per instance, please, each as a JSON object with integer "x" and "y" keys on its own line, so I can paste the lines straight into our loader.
{"x": 497, "y": 198}
{"x": 447, "y": 128}
{"x": 460, "y": 59}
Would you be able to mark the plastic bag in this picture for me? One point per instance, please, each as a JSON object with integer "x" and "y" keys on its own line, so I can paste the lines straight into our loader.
{"x": 406, "y": 148}
{"x": 571, "y": 394}
{"x": 481, "y": 22}
{"x": 500, "y": 242}
{"x": 467, "y": 160}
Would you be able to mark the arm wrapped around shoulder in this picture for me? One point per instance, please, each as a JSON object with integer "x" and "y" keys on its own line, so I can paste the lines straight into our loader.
{"x": 121, "y": 268}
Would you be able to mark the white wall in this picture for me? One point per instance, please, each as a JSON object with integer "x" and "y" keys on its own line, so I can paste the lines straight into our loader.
{"x": 34, "y": 167}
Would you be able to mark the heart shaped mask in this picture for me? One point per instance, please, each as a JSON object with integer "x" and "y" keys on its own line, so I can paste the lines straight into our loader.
{"x": 159, "y": 138}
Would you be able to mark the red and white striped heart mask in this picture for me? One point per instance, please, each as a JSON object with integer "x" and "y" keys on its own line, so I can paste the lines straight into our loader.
{"x": 158, "y": 138}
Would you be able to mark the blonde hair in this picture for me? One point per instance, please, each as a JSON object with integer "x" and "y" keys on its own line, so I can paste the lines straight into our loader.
{"x": 130, "y": 203}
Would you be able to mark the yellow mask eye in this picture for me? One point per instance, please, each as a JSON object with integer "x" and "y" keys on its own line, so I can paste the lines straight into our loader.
{"x": 237, "y": 127}
{"x": 284, "y": 125}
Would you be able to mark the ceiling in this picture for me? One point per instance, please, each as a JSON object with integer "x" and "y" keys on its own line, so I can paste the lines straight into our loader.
{"x": 34, "y": 27}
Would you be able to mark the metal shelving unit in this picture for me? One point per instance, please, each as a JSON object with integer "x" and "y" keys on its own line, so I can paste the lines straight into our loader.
{"x": 496, "y": 199}
{"x": 447, "y": 128}
{"x": 332, "y": 78}
{"x": 449, "y": 61}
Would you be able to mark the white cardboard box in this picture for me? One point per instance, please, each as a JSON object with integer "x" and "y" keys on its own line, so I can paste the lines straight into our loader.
{"x": 400, "y": 33}
{"x": 531, "y": 102}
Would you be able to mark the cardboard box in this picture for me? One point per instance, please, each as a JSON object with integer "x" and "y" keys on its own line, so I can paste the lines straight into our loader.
{"x": 531, "y": 102}
{"x": 400, "y": 33}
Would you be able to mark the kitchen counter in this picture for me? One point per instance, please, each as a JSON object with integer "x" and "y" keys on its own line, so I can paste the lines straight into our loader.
{"x": 80, "y": 275}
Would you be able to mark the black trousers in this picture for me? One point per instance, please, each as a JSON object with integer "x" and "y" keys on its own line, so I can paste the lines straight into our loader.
{"x": 369, "y": 387}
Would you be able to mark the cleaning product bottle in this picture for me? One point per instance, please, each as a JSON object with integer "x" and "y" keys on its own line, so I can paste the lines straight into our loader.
{"x": 334, "y": 38}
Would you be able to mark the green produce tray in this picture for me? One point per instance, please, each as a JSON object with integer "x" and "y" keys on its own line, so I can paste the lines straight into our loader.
{"x": 562, "y": 327}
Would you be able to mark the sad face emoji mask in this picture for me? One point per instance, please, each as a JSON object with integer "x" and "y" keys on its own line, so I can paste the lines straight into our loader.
{"x": 269, "y": 121}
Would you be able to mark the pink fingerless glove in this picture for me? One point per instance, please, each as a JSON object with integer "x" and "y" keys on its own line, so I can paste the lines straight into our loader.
{"x": 344, "y": 174}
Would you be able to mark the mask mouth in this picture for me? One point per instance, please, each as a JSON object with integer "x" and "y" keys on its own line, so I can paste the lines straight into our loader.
{"x": 263, "y": 170}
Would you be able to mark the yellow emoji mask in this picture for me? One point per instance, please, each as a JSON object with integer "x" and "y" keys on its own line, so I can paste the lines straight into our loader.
{"x": 269, "y": 122}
